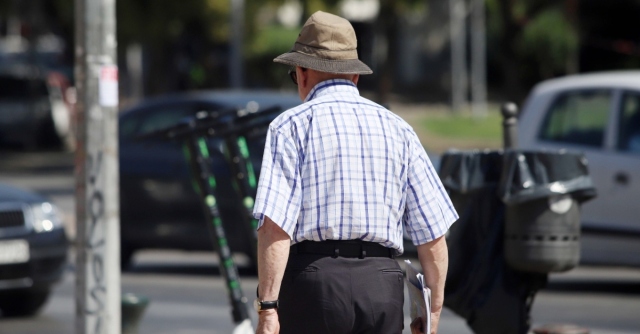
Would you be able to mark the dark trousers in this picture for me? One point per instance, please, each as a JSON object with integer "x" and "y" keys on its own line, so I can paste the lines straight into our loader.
{"x": 340, "y": 295}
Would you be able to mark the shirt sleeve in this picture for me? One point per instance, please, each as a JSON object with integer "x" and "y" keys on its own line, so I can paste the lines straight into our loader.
{"x": 279, "y": 195}
{"x": 428, "y": 212}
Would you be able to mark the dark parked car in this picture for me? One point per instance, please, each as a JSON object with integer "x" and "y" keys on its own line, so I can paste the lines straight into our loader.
{"x": 33, "y": 109}
{"x": 33, "y": 250}
{"x": 159, "y": 206}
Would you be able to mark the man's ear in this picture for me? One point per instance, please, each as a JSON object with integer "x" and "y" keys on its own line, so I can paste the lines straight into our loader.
{"x": 303, "y": 77}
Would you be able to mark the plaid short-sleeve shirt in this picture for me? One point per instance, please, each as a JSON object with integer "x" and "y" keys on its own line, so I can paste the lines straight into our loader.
{"x": 341, "y": 167}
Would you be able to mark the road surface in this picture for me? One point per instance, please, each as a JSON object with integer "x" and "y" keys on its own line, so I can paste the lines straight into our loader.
{"x": 187, "y": 295}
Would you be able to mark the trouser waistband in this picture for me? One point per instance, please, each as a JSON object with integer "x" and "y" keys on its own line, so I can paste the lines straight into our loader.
{"x": 343, "y": 248}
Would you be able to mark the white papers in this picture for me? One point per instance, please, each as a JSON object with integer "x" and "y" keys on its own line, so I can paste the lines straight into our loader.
{"x": 419, "y": 296}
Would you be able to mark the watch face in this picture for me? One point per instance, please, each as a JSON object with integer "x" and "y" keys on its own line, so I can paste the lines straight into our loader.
{"x": 256, "y": 305}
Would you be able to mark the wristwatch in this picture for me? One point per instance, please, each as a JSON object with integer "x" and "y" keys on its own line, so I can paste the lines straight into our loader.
{"x": 262, "y": 305}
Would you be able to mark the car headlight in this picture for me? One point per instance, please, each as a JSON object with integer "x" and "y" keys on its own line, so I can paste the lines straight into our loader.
{"x": 45, "y": 217}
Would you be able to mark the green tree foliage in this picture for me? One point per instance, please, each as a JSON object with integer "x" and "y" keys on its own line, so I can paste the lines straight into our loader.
{"x": 530, "y": 40}
{"x": 550, "y": 41}
{"x": 5, "y": 7}
{"x": 267, "y": 39}
{"x": 159, "y": 21}
{"x": 165, "y": 27}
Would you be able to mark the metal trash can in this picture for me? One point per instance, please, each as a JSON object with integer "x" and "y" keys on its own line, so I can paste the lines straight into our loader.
{"x": 519, "y": 220}
{"x": 481, "y": 287}
{"x": 542, "y": 192}
{"x": 133, "y": 307}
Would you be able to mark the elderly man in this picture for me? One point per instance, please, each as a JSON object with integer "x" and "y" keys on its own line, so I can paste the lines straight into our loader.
{"x": 341, "y": 178}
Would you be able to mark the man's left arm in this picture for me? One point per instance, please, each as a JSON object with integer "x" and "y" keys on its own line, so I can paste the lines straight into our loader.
{"x": 428, "y": 215}
{"x": 434, "y": 259}
{"x": 273, "y": 253}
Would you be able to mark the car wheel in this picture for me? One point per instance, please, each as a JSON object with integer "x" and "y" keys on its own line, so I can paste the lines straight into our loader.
{"x": 47, "y": 136}
{"x": 30, "y": 144}
{"x": 23, "y": 303}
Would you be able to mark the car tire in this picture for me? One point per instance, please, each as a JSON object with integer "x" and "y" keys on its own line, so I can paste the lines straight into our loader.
{"x": 47, "y": 136}
{"x": 23, "y": 303}
{"x": 30, "y": 144}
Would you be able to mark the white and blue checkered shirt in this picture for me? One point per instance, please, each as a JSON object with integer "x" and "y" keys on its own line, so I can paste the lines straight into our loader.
{"x": 341, "y": 167}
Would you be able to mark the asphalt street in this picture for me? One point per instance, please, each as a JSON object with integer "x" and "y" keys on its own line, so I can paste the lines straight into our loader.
{"x": 187, "y": 295}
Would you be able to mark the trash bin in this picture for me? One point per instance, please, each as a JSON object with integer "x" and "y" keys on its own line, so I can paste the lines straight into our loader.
{"x": 133, "y": 307}
{"x": 481, "y": 287}
{"x": 519, "y": 220}
{"x": 542, "y": 192}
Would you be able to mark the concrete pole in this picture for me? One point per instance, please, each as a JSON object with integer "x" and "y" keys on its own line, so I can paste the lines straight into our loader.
{"x": 236, "y": 74}
{"x": 478, "y": 60}
{"x": 98, "y": 304}
{"x": 458, "y": 33}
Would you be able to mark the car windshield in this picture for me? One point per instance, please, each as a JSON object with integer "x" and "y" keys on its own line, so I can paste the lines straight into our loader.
{"x": 21, "y": 88}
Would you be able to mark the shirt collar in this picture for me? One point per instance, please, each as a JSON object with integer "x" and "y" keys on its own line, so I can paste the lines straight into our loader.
{"x": 332, "y": 86}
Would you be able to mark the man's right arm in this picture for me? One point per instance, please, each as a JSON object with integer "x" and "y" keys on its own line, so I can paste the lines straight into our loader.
{"x": 273, "y": 253}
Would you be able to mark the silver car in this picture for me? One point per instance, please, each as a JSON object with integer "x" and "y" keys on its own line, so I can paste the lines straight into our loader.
{"x": 598, "y": 114}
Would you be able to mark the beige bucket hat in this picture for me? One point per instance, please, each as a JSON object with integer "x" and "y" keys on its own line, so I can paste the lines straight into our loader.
{"x": 327, "y": 43}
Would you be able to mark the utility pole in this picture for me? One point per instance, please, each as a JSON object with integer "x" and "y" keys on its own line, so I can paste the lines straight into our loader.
{"x": 478, "y": 60}
{"x": 458, "y": 34}
{"x": 97, "y": 198}
{"x": 236, "y": 58}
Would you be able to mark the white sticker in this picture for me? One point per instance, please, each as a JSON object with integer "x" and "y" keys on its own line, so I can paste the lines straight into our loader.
{"x": 560, "y": 204}
{"x": 109, "y": 86}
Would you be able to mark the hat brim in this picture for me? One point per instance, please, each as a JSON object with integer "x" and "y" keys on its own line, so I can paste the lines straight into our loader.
{"x": 341, "y": 66}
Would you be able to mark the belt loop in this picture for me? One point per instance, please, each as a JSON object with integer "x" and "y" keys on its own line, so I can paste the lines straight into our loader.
{"x": 363, "y": 253}
{"x": 336, "y": 252}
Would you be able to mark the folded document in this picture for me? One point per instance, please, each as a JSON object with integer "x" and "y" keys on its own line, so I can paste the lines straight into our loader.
{"x": 419, "y": 296}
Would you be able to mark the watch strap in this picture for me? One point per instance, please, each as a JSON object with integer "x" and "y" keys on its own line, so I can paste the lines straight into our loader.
{"x": 266, "y": 305}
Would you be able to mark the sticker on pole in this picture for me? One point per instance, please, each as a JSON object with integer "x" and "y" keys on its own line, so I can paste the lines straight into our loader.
{"x": 109, "y": 86}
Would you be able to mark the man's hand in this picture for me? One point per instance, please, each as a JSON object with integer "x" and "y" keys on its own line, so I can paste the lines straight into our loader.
{"x": 268, "y": 322}
{"x": 417, "y": 326}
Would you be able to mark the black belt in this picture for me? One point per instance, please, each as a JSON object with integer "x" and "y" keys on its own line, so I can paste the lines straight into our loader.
{"x": 343, "y": 248}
